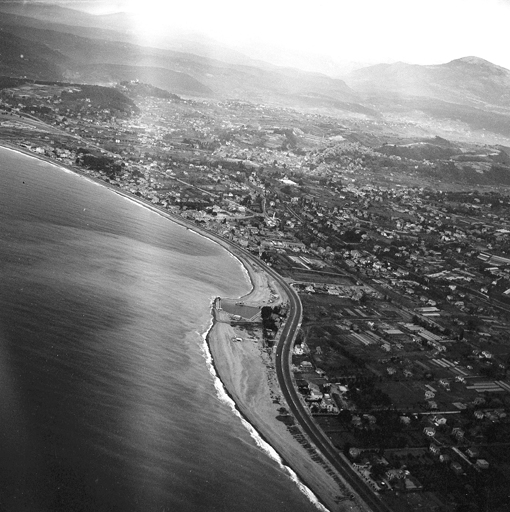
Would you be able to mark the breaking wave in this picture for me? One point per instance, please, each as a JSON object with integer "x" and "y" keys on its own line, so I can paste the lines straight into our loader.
{"x": 224, "y": 397}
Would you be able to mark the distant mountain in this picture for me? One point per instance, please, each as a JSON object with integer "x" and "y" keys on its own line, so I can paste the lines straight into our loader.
{"x": 92, "y": 32}
{"x": 49, "y": 13}
{"x": 22, "y": 58}
{"x": 165, "y": 79}
{"x": 469, "y": 92}
{"x": 466, "y": 96}
{"x": 469, "y": 81}
{"x": 138, "y": 89}
{"x": 105, "y": 60}
{"x": 122, "y": 27}
{"x": 425, "y": 149}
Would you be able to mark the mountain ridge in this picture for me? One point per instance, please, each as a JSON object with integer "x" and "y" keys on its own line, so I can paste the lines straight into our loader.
{"x": 221, "y": 78}
{"x": 468, "y": 80}
{"x": 469, "y": 94}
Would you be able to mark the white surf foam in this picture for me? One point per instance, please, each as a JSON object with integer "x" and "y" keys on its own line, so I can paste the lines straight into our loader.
{"x": 263, "y": 445}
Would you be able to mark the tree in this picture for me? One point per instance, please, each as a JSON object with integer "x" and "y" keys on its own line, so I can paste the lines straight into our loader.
{"x": 378, "y": 471}
{"x": 345, "y": 416}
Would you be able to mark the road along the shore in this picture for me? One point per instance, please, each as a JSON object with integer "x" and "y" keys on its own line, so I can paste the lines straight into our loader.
{"x": 290, "y": 393}
{"x": 284, "y": 347}
{"x": 316, "y": 435}
{"x": 367, "y": 498}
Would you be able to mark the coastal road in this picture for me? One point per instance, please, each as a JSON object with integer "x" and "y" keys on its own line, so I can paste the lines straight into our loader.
{"x": 289, "y": 391}
{"x": 293, "y": 399}
{"x": 283, "y": 371}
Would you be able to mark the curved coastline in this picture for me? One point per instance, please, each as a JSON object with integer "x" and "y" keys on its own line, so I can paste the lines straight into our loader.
{"x": 263, "y": 443}
{"x": 229, "y": 369}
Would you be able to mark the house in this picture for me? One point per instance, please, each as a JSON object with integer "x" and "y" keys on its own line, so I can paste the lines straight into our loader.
{"x": 482, "y": 464}
{"x": 445, "y": 384}
{"x": 354, "y": 453}
{"x": 429, "y": 431}
{"x": 393, "y": 334}
{"x": 298, "y": 351}
{"x": 479, "y": 415}
{"x": 328, "y": 405}
{"x": 306, "y": 365}
{"x": 456, "y": 468}
{"x": 395, "y": 474}
{"x": 438, "y": 420}
{"x": 303, "y": 386}
{"x": 472, "y": 452}
{"x": 491, "y": 415}
{"x": 406, "y": 420}
{"x": 500, "y": 413}
{"x": 458, "y": 433}
{"x": 370, "y": 418}
{"x": 434, "y": 449}
{"x": 315, "y": 392}
{"x": 356, "y": 421}
{"x": 412, "y": 484}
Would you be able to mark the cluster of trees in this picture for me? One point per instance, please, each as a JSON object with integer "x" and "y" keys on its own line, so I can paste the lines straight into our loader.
{"x": 467, "y": 173}
{"x": 357, "y": 361}
{"x": 424, "y": 151}
{"x": 352, "y": 236}
{"x": 100, "y": 163}
{"x": 101, "y": 97}
{"x": 270, "y": 316}
{"x": 365, "y": 395}
{"x": 146, "y": 90}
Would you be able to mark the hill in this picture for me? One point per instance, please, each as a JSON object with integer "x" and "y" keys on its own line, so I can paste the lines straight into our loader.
{"x": 468, "y": 97}
{"x": 103, "y": 60}
{"x": 470, "y": 93}
{"x": 468, "y": 81}
{"x": 161, "y": 78}
{"x": 48, "y": 13}
{"x": 22, "y": 58}
{"x": 138, "y": 89}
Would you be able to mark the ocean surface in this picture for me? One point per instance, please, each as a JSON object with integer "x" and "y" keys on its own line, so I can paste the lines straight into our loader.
{"x": 108, "y": 401}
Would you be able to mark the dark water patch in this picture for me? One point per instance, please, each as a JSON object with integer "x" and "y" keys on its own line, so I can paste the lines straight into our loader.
{"x": 106, "y": 401}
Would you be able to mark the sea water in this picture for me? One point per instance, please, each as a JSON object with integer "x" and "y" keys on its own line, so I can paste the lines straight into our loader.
{"x": 107, "y": 401}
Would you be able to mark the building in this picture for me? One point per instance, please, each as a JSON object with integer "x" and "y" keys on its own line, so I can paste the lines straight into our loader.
{"x": 434, "y": 449}
{"x": 456, "y": 468}
{"x": 482, "y": 464}
{"x": 429, "y": 431}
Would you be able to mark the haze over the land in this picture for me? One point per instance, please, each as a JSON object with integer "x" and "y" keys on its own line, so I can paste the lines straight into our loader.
{"x": 436, "y": 69}
{"x": 330, "y": 36}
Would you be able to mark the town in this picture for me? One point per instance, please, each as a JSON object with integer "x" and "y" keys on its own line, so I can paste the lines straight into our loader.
{"x": 398, "y": 247}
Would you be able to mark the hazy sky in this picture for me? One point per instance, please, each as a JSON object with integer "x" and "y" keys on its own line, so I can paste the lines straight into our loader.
{"x": 415, "y": 31}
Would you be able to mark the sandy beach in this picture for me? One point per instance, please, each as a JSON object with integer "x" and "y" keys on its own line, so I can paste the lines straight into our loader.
{"x": 247, "y": 371}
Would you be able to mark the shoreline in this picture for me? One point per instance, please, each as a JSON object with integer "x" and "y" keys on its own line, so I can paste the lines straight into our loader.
{"x": 251, "y": 392}
{"x": 260, "y": 440}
